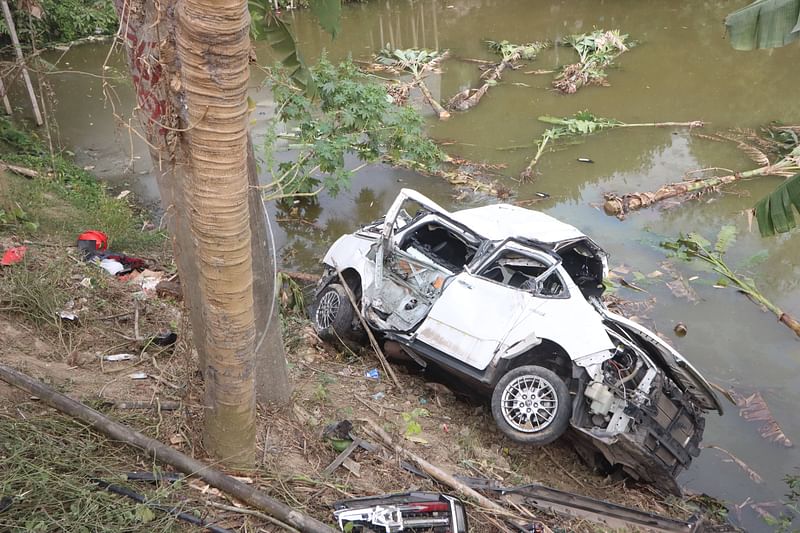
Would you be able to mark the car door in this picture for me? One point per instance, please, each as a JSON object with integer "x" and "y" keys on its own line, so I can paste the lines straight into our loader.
{"x": 413, "y": 259}
{"x": 491, "y": 312}
{"x": 472, "y": 319}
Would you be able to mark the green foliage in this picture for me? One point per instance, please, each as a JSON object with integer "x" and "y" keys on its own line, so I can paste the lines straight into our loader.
{"x": 695, "y": 246}
{"x": 775, "y": 212}
{"x": 725, "y": 238}
{"x": 411, "y": 419}
{"x": 764, "y": 24}
{"x": 47, "y": 461}
{"x": 596, "y": 50}
{"x": 64, "y": 20}
{"x": 279, "y": 36}
{"x": 784, "y": 522}
{"x": 411, "y": 60}
{"x": 18, "y": 218}
{"x": 599, "y": 47}
{"x": 354, "y": 116}
{"x": 511, "y": 52}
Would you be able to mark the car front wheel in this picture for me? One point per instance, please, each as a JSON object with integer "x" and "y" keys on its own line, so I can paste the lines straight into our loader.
{"x": 333, "y": 314}
{"x": 531, "y": 405}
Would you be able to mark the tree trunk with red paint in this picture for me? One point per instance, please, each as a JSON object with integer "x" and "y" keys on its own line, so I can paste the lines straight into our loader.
{"x": 189, "y": 66}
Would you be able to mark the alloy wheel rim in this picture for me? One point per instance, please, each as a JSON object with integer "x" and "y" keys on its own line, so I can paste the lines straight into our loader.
{"x": 529, "y": 404}
{"x": 327, "y": 309}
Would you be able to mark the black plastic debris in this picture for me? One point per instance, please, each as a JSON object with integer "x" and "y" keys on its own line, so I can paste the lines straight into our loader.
{"x": 165, "y": 338}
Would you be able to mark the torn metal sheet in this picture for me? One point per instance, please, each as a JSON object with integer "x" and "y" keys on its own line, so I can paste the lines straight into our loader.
{"x": 509, "y": 300}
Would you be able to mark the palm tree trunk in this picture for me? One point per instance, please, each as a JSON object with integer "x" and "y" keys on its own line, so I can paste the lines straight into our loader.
{"x": 189, "y": 66}
{"x": 620, "y": 206}
{"x": 212, "y": 50}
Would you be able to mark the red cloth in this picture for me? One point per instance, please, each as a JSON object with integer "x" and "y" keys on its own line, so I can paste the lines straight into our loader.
{"x": 13, "y": 255}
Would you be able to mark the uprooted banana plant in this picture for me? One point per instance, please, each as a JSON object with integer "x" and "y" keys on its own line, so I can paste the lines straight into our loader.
{"x": 585, "y": 123}
{"x": 777, "y": 152}
{"x": 418, "y": 63}
{"x": 510, "y": 53}
{"x": 596, "y": 50}
{"x": 695, "y": 246}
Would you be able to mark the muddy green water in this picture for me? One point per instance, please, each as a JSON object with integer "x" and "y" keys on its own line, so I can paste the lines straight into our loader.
{"x": 682, "y": 70}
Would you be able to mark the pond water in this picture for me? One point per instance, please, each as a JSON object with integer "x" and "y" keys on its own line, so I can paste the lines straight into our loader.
{"x": 681, "y": 70}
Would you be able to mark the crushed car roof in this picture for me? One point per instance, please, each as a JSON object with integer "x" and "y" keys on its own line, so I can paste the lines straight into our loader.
{"x": 497, "y": 222}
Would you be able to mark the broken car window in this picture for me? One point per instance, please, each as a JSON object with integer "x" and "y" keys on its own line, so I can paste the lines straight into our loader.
{"x": 441, "y": 245}
{"x": 520, "y": 271}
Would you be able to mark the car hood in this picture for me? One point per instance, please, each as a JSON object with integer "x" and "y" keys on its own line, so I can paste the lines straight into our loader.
{"x": 674, "y": 364}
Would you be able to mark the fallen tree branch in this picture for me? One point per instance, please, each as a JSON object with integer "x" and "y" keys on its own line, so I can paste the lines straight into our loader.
{"x": 619, "y": 206}
{"x": 511, "y": 53}
{"x": 443, "y": 477}
{"x": 22, "y": 171}
{"x": 372, "y": 340}
{"x": 253, "y": 512}
{"x": 161, "y": 452}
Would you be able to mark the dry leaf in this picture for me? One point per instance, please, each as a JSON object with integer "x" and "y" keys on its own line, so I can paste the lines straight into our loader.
{"x": 679, "y": 287}
{"x": 177, "y": 439}
{"x": 754, "y": 408}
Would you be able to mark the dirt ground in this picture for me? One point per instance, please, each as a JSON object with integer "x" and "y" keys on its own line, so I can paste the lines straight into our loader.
{"x": 432, "y": 418}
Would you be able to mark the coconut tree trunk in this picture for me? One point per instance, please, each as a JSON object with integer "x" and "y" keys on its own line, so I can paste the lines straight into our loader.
{"x": 189, "y": 66}
{"x": 212, "y": 50}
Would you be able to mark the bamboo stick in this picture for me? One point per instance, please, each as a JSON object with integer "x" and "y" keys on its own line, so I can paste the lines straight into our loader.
{"x": 21, "y": 58}
{"x": 159, "y": 451}
{"x": 6, "y": 102}
{"x": 372, "y": 340}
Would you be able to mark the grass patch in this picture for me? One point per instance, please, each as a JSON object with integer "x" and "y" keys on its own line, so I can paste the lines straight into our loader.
{"x": 46, "y": 466}
{"x": 38, "y": 293}
{"x": 65, "y": 200}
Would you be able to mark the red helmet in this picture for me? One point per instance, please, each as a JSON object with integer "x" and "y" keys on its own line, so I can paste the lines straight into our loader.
{"x": 100, "y": 239}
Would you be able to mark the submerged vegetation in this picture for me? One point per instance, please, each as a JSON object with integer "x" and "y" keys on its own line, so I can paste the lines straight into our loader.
{"x": 510, "y": 54}
{"x": 585, "y": 123}
{"x": 596, "y": 51}
{"x": 777, "y": 152}
{"x": 695, "y": 246}
{"x": 417, "y": 63}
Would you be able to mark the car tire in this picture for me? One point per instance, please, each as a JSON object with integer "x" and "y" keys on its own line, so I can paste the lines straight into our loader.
{"x": 531, "y": 405}
{"x": 333, "y": 313}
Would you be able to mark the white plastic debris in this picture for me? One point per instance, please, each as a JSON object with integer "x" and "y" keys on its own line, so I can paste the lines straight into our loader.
{"x": 120, "y": 357}
{"x": 111, "y": 266}
{"x": 138, "y": 375}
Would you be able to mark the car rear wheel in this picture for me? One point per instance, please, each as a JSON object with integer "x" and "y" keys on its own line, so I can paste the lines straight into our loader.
{"x": 333, "y": 314}
{"x": 531, "y": 405}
